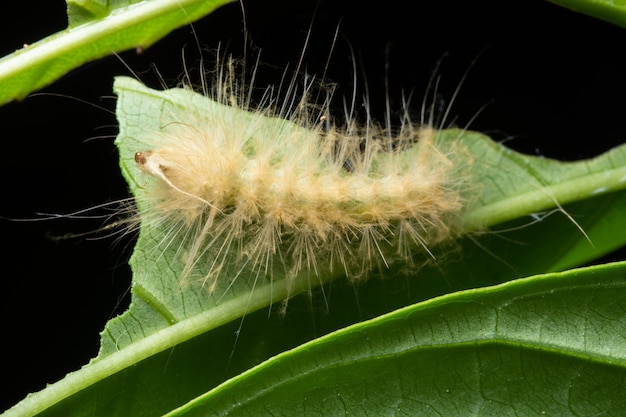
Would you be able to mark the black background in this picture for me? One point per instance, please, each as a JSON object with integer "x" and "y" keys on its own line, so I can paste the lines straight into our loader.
{"x": 551, "y": 80}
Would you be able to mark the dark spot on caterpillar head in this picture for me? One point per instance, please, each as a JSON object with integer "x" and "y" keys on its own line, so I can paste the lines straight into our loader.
{"x": 141, "y": 158}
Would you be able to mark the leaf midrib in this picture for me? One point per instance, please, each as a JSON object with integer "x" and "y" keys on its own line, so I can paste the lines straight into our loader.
{"x": 542, "y": 198}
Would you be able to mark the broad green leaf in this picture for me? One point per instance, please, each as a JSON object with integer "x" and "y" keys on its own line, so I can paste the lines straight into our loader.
{"x": 96, "y": 28}
{"x": 175, "y": 343}
{"x": 548, "y": 345}
{"x": 613, "y": 11}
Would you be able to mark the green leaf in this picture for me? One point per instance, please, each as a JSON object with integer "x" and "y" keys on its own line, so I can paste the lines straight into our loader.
{"x": 515, "y": 185}
{"x": 82, "y": 11}
{"x": 96, "y": 28}
{"x": 175, "y": 343}
{"x": 613, "y": 11}
{"x": 547, "y": 345}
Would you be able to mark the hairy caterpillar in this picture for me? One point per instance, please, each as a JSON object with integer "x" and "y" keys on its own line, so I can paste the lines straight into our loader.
{"x": 287, "y": 190}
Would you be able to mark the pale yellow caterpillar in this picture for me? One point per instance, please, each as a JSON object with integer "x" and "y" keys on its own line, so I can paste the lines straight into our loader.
{"x": 291, "y": 190}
